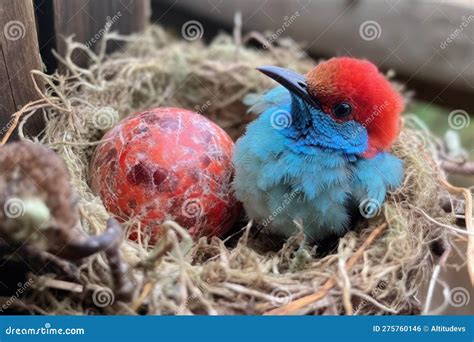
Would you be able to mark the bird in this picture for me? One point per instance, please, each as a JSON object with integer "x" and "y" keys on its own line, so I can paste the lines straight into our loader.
{"x": 319, "y": 151}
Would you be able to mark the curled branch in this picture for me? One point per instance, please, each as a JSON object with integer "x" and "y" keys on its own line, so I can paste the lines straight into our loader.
{"x": 461, "y": 168}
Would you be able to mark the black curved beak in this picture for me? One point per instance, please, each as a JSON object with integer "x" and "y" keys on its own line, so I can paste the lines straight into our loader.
{"x": 294, "y": 82}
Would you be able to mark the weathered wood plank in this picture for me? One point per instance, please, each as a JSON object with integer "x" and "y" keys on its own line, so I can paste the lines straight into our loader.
{"x": 86, "y": 19}
{"x": 7, "y": 105}
{"x": 429, "y": 41}
{"x": 19, "y": 55}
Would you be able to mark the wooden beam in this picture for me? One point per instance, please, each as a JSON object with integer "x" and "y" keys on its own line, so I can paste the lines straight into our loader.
{"x": 19, "y": 54}
{"x": 86, "y": 19}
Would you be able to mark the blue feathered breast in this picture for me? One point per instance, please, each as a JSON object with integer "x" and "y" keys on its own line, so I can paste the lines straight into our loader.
{"x": 280, "y": 180}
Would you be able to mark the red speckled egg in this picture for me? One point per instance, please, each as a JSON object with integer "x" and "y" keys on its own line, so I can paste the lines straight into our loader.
{"x": 167, "y": 163}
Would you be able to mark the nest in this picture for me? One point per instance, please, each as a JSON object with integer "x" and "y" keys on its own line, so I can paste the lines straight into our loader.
{"x": 378, "y": 268}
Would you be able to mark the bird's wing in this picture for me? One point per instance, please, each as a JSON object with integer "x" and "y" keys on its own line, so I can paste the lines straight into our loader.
{"x": 258, "y": 103}
{"x": 372, "y": 178}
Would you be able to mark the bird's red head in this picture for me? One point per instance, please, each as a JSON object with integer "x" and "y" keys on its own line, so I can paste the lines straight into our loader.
{"x": 354, "y": 89}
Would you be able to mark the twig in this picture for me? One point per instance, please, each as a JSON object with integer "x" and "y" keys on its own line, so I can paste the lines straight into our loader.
{"x": 373, "y": 301}
{"x": 186, "y": 241}
{"x": 123, "y": 285}
{"x": 43, "y": 259}
{"x": 346, "y": 288}
{"x": 78, "y": 248}
{"x": 16, "y": 117}
{"x": 299, "y": 304}
{"x": 61, "y": 285}
{"x": 432, "y": 220}
{"x": 32, "y": 106}
{"x": 460, "y": 168}
{"x": 434, "y": 278}
{"x": 249, "y": 292}
{"x": 469, "y": 223}
{"x": 237, "y": 34}
{"x": 43, "y": 96}
{"x": 147, "y": 288}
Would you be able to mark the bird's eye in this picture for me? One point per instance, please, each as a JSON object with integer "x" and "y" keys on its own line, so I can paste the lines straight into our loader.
{"x": 342, "y": 110}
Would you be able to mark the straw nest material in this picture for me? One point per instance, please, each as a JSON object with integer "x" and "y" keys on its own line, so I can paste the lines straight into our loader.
{"x": 378, "y": 268}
